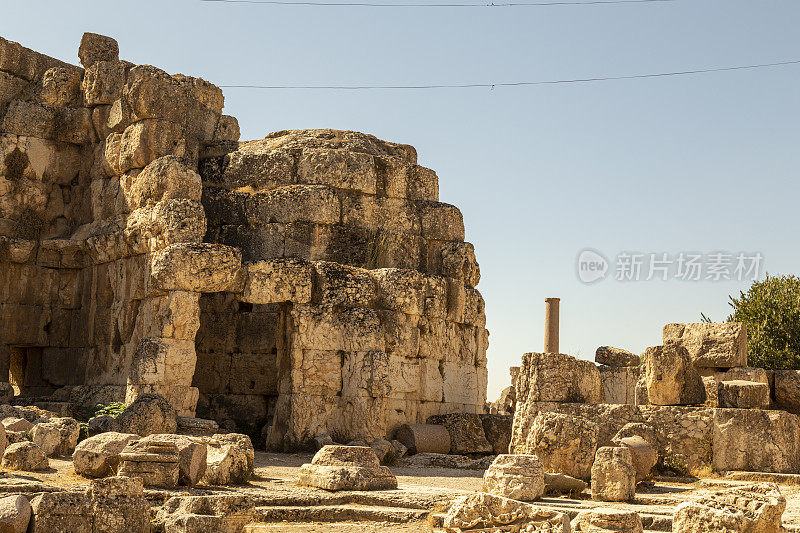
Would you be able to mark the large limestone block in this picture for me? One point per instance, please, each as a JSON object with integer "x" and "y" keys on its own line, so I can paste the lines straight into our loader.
{"x": 98, "y": 456}
{"x": 613, "y": 475}
{"x": 743, "y": 394}
{"x": 60, "y": 87}
{"x": 158, "y": 361}
{"x": 466, "y": 432}
{"x": 547, "y": 377}
{"x": 294, "y": 203}
{"x": 755, "y": 440}
{"x": 619, "y": 383}
{"x": 57, "y": 436}
{"x": 424, "y": 438}
{"x": 519, "y": 477}
{"x": 15, "y": 514}
{"x": 565, "y": 444}
{"x": 497, "y": 428}
{"x": 338, "y": 168}
{"x": 103, "y": 82}
{"x": 755, "y": 508}
{"x": 346, "y": 468}
{"x": 94, "y": 48}
{"x": 400, "y": 290}
{"x": 25, "y": 456}
{"x": 277, "y": 281}
{"x": 670, "y": 377}
{"x": 24, "y": 62}
{"x": 62, "y": 511}
{"x": 119, "y": 506}
{"x": 608, "y": 355}
{"x": 441, "y": 221}
{"x": 16, "y": 424}
{"x": 342, "y": 285}
{"x": 165, "y": 178}
{"x": 148, "y": 414}
{"x": 458, "y": 262}
{"x": 155, "y": 462}
{"x": 197, "y": 267}
{"x": 144, "y": 142}
{"x": 711, "y": 345}
{"x": 64, "y": 124}
{"x": 485, "y": 512}
{"x": 787, "y": 390}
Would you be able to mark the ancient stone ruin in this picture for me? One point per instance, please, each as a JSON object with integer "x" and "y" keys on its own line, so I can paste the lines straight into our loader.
{"x": 309, "y": 292}
{"x": 303, "y": 284}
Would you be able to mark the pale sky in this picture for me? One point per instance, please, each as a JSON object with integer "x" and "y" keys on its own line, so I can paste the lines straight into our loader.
{"x": 696, "y": 164}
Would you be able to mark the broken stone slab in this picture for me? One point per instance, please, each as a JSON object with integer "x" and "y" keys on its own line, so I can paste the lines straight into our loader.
{"x": 607, "y": 520}
{"x": 155, "y": 462}
{"x": 25, "y": 456}
{"x": 424, "y": 438}
{"x": 741, "y": 394}
{"x": 613, "y": 475}
{"x": 548, "y": 377}
{"x": 608, "y": 355}
{"x": 711, "y": 345}
{"x": 98, "y": 456}
{"x": 243, "y": 443}
{"x": 197, "y": 267}
{"x": 485, "y": 512}
{"x": 166, "y": 178}
{"x": 563, "y": 484}
{"x": 466, "y": 432}
{"x": 346, "y": 468}
{"x": 519, "y": 477}
{"x": 388, "y": 452}
{"x": 670, "y": 377}
{"x": 739, "y": 510}
{"x": 565, "y": 444}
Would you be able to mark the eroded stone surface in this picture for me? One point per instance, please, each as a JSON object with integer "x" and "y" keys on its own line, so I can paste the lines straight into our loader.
{"x": 613, "y": 475}
{"x": 754, "y": 508}
{"x": 519, "y": 477}
{"x": 346, "y": 468}
{"x": 486, "y": 512}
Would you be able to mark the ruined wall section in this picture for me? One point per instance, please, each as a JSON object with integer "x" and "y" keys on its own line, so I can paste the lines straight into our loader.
{"x": 392, "y": 329}
{"x": 87, "y": 197}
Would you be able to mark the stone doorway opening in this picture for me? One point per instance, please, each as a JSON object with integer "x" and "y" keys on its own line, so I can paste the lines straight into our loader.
{"x": 237, "y": 362}
{"x": 25, "y": 372}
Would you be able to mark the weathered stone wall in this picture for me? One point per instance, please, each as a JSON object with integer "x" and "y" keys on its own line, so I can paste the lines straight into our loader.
{"x": 333, "y": 292}
{"x": 83, "y": 210}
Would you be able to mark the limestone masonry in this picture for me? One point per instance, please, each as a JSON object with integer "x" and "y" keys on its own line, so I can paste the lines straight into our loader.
{"x": 303, "y": 284}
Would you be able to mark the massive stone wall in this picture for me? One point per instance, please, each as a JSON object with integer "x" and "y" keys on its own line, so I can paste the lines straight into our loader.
{"x": 309, "y": 282}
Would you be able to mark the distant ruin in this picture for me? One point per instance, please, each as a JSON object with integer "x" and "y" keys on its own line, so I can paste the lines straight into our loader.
{"x": 307, "y": 283}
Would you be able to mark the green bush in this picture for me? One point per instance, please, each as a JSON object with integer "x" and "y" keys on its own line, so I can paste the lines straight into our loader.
{"x": 113, "y": 409}
{"x": 771, "y": 310}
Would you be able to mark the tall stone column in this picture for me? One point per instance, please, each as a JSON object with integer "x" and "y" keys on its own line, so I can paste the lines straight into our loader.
{"x": 551, "y": 325}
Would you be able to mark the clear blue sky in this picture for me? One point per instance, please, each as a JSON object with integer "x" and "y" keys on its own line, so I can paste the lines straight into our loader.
{"x": 701, "y": 163}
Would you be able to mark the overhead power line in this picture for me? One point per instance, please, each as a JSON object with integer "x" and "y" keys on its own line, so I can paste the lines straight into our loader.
{"x": 518, "y": 83}
{"x": 483, "y": 4}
